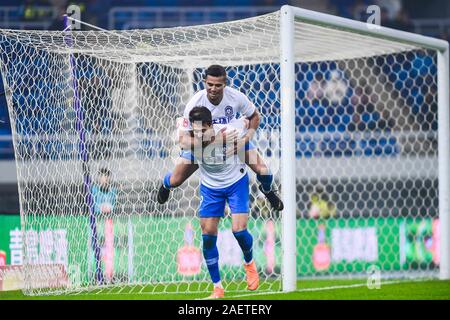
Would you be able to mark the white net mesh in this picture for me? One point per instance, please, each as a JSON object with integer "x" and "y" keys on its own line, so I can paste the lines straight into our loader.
{"x": 366, "y": 150}
{"x": 367, "y": 165}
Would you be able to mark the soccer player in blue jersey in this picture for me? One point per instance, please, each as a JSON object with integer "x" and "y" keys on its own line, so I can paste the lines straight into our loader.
{"x": 224, "y": 179}
{"x": 224, "y": 104}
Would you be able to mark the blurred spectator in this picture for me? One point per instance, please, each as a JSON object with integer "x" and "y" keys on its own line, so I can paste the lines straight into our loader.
{"x": 403, "y": 21}
{"x": 58, "y": 3}
{"x": 335, "y": 88}
{"x": 359, "y": 10}
{"x": 58, "y": 22}
{"x": 268, "y": 3}
{"x": 96, "y": 12}
{"x": 385, "y": 21}
{"x": 320, "y": 205}
{"x": 105, "y": 195}
{"x": 87, "y": 11}
{"x": 200, "y": 3}
{"x": 393, "y": 7}
{"x": 345, "y": 8}
{"x": 315, "y": 90}
{"x": 393, "y": 15}
{"x": 445, "y": 36}
{"x": 315, "y": 5}
{"x": 36, "y": 10}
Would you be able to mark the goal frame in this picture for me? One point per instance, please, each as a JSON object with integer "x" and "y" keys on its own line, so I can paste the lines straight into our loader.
{"x": 284, "y": 48}
{"x": 288, "y": 15}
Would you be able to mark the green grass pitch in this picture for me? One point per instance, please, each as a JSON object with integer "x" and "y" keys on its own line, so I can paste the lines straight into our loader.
{"x": 306, "y": 290}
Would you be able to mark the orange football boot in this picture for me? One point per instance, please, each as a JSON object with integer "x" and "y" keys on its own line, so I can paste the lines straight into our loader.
{"x": 217, "y": 293}
{"x": 252, "y": 276}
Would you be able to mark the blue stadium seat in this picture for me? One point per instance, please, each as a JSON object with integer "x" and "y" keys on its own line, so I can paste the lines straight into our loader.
{"x": 232, "y": 3}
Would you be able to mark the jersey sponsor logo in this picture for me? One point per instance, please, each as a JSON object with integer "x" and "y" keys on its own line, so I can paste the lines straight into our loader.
{"x": 221, "y": 120}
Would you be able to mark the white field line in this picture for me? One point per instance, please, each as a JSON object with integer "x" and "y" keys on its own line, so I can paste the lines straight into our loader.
{"x": 356, "y": 285}
{"x": 318, "y": 289}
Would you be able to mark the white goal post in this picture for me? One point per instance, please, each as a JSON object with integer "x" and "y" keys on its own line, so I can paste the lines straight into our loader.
{"x": 288, "y": 16}
{"x": 354, "y": 125}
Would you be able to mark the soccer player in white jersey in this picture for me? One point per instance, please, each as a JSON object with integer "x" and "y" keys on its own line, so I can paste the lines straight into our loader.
{"x": 225, "y": 104}
{"x": 224, "y": 179}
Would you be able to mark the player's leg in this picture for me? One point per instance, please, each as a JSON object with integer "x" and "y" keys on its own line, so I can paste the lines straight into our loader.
{"x": 211, "y": 210}
{"x": 239, "y": 203}
{"x": 265, "y": 178}
{"x": 184, "y": 168}
{"x": 243, "y": 237}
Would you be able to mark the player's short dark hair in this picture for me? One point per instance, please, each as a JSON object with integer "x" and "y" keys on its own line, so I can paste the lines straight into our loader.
{"x": 216, "y": 70}
{"x": 202, "y": 114}
{"x": 105, "y": 172}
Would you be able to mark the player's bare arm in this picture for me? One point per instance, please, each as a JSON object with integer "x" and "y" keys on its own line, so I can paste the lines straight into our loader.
{"x": 253, "y": 124}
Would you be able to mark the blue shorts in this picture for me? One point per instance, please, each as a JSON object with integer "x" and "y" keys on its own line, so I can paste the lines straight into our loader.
{"x": 213, "y": 200}
{"x": 188, "y": 154}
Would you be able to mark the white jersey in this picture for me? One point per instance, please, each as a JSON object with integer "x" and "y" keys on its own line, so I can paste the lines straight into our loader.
{"x": 215, "y": 172}
{"x": 233, "y": 103}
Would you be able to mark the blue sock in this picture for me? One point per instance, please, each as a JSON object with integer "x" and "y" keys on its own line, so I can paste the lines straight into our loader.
{"x": 166, "y": 180}
{"x": 211, "y": 255}
{"x": 266, "y": 181}
{"x": 245, "y": 240}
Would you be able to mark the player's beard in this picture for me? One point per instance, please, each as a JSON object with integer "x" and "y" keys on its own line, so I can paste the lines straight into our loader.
{"x": 216, "y": 98}
{"x": 104, "y": 188}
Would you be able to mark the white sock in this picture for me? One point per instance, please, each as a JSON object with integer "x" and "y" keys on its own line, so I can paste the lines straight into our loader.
{"x": 218, "y": 285}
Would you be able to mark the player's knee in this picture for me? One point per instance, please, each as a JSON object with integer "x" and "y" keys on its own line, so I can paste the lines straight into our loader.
{"x": 259, "y": 168}
{"x": 239, "y": 227}
{"x": 234, "y": 230}
{"x": 208, "y": 229}
{"x": 262, "y": 169}
{"x": 176, "y": 180}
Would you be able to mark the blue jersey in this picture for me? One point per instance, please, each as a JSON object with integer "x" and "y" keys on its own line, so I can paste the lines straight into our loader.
{"x": 103, "y": 199}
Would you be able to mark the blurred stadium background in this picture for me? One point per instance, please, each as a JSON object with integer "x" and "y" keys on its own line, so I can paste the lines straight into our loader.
{"x": 431, "y": 18}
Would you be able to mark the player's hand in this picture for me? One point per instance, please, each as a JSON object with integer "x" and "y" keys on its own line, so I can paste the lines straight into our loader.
{"x": 230, "y": 136}
{"x": 234, "y": 148}
{"x": 246, "y": 123}
{"x": 224, "y": 137}
{"x": 218, "y": 138}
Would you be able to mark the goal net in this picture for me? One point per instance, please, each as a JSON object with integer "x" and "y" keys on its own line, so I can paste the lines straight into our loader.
{"x": 366, "y": 156}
